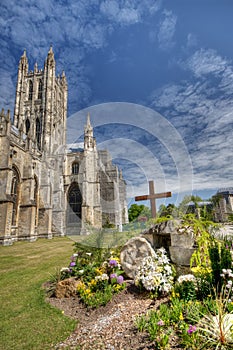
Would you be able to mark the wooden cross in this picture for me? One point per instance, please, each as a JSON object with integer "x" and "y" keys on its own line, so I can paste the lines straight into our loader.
{"x": 152, "y": 196}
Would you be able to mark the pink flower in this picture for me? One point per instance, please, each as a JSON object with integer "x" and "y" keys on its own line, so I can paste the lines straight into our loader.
{"x": 191, "y": 329}
{"x": 161, "y": 323}
{"x": 113, "y": 263}
{"x": 120, "y": 279}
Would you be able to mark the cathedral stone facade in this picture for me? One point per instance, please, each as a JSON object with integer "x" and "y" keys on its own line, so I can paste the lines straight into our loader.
{"x": 45, "y": 188}
{"x": 223, "y": 208}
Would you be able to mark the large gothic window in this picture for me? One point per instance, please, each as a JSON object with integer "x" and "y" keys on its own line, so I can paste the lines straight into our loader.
{"x": 75, "y": 168}
{"x": 15, "y": 195}
{"x": 38, "y": 133}
{"x": 30, "y": 90}
{"x": 74, "y": 204}
{"x": 40, "y": 87}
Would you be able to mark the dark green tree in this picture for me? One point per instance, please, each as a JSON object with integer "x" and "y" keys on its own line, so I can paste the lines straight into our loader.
{"x": 138, "y": 210}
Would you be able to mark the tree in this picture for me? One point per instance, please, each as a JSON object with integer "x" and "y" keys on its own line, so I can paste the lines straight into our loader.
{"x": 138, "y": 210}
{"x": 183, "y": 208}
{"x": 169, "y": 210}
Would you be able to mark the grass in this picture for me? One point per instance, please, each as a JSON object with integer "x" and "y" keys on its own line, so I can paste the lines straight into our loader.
{"x": 105, "y": 238}
{"x": 27, "y": 322}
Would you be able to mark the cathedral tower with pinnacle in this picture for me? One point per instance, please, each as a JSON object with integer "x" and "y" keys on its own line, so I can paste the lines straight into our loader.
{"x": 45, "y": 189}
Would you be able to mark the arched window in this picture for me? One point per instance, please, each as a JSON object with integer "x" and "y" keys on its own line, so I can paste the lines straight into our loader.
{"x": 75, "y": 168}
{"x": 15, "y": 195}
{"x": 27, "y": 125}
{"x": 36, "y": 199}
{"x": 38, "y": 133}
{"x": 30, "y": 90}
{"x": 74, "y": 204}
{"x": 40, "y": 87}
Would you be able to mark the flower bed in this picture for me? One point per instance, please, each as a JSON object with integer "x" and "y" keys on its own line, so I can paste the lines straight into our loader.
{"x": 98, "y": 275}
{"x": 199, "y": 306}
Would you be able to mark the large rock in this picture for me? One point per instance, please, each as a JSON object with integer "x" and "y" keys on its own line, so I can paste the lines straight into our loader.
{"x": 175, "y": 237}
{"x": 181, "y": 255}
{"x": 160, "y": 234}
{"x": 66, "y": 288}
{"x": 132, "y": 254}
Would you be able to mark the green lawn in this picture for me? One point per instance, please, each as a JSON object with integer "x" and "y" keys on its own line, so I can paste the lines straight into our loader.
{"x": 105, "y": 238}
{"x": 27, "y": 322}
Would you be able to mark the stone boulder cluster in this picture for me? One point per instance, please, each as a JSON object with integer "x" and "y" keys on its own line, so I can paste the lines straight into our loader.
{"x": 178, "y": 241}
{"x": 171, "y": 235}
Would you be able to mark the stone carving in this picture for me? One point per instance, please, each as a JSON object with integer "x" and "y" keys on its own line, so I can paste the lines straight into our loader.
{"x": 132, "y": 254}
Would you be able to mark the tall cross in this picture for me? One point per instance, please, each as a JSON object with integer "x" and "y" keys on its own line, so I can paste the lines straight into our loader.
{"x": 152, "y": 196}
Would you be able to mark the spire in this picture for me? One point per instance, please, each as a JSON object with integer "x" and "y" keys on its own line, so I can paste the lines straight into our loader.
{"x": 23, "y": 63}
{"x": 88, "y": 128}
{"x": 63, "y": 79}
{"x": 89, "y": 141}
{"x": 50, "y": 57}
{"x": 88, "y": 121}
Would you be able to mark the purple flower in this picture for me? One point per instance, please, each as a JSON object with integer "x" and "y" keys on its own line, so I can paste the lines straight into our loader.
{"x": 191, "y": 329}
{"x": 113, "y": 275}
{"x": 160, "y": 323}
{"x": 120, "y": 279}
{"x": 72, "y": 263}
{"x": 113, "y": 263}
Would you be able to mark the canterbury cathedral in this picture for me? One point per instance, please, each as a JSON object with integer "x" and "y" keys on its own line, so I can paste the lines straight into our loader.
{"x": 46, "y": 188}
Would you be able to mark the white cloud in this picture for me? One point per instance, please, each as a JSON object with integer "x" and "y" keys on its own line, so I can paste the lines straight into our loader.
{"x": 191, "y": 40}
{"x": 202, "y": 112}
{"x": 127, "y": 14}
{"x": 167, "y": 30}
{"x": 204, "y": 62}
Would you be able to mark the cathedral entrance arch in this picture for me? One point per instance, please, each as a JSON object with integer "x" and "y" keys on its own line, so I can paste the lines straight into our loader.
{"x": 74, "y": 204}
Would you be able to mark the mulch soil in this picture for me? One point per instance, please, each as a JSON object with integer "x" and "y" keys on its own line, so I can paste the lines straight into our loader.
{"x": 110, "y": 327}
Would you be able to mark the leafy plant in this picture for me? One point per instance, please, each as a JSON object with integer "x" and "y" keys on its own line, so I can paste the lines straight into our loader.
{"x": 186, "y": 287}
{"x": 216, "y": 329}
{"x": 220, "y": 257}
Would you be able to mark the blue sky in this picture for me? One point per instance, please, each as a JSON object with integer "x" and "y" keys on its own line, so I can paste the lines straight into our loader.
{"x": 167, "y": 63}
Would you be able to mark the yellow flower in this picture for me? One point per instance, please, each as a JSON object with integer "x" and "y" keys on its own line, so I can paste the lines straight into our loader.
{"x": 201, "y": 270}
{"x": 181, "y": 316}
{"x": 92, "y": 283}
{"x": 117, "y": 287}
{"x": 114, "y": 258}
{"x": 80, "y": 286}
{"x": 99, "y": 271}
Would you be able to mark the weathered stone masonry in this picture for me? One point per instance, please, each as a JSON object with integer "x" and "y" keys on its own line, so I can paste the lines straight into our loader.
{"x": 46, "y": 190}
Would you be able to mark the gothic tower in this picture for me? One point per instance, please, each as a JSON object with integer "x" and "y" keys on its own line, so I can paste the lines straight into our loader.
{"x": 41, "y": 104}
{"x": 32, "y": 168}
{"x": 91, "y": 209}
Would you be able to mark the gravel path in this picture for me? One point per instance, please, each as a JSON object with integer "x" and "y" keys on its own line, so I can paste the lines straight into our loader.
{"x": 111, "y": 327}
